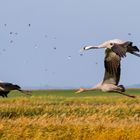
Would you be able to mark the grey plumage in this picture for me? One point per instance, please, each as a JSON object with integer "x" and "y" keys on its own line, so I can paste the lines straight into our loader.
{"x": 112, "y": 68}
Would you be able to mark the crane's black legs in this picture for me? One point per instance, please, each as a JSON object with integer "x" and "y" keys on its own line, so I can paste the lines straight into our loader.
{"x": 4, "y": 93}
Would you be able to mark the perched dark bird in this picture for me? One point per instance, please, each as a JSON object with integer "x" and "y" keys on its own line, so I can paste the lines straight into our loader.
{"x": 5, "y": 88}
{"x": 115, "y": 50}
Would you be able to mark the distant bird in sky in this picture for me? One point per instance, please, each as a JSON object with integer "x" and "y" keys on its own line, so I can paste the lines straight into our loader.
{"x": 4, "y": 50}
{"x": 5, "y": 88}
{"x": 115, "y": 50}
{"x": 96, "y": 63}
{"x": 69, "y": 57}
{"x": 46, "y": 36}
{"x": 36, "y": 46}
{"x": 11, "y": 41}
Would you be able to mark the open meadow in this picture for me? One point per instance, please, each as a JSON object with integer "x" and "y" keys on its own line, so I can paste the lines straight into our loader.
{"x": 64, "y": 115}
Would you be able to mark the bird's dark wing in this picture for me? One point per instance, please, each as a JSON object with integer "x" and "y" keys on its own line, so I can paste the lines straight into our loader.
{"x": 9, "y": 86}
{"x": 121, "y": 49}
{"x": 112, "y": 67}
{"x": 4, "y": 84}
{"x": 5, "y": 88}
{"x": 131, "y": 49}
{"x": 111, "y": 61}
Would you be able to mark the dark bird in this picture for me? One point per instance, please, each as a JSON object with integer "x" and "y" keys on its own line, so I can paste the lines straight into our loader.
{"x": 11, "y": 41}
{"x": 5, "y": 88}
{"x": 115, "y": 50}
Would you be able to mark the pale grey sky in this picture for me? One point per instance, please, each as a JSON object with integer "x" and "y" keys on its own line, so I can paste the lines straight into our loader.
{"x": 46, "y": 52}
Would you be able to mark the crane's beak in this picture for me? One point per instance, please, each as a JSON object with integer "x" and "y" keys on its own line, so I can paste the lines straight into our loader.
{"x": 88, "y": 48}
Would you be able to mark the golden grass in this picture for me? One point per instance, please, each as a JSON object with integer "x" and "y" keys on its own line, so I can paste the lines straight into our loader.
{"x": 70, "y": 118}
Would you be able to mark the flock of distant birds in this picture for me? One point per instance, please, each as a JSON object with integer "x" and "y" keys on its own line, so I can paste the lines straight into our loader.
{"x": 6, "y": 87}
{"x": 114, "y": 50}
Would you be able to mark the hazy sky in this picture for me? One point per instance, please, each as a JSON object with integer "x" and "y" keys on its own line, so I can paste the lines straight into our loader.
{"x": 40, "y": 40}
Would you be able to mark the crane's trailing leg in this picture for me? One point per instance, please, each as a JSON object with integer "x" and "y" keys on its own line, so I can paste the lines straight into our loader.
{"x": 120, "y": 89}
{"x": 116, "y": 91}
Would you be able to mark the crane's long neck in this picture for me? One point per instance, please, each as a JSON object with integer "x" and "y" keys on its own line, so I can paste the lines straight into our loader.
{"x": 97, "y": 87}
{"x": 90, "y": 89}
{"x": 85, "y": 90}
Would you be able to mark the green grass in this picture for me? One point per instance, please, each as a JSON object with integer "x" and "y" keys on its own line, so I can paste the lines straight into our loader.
{"x": 71, "y": 93}
{"x": 62, "y": 114}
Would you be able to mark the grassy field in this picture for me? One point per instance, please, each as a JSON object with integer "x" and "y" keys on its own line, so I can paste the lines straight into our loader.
{"x": 64, "y": 115}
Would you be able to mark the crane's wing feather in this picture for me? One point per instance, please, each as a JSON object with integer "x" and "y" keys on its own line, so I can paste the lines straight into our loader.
{"x": 131, "y": 49}
{"x": 122, "y": 49}
{"x": 112, "y": 67}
